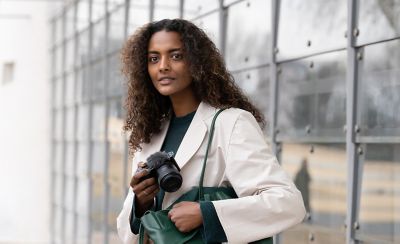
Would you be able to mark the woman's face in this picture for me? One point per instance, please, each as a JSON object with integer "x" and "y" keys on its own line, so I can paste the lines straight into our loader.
{"x": 167, "y": 65}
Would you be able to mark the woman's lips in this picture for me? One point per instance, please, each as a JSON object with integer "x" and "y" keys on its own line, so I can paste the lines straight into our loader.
{"x": 166, "y": 80}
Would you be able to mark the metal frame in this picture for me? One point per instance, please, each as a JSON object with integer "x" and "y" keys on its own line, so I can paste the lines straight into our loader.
{"x": 353, "y": 163}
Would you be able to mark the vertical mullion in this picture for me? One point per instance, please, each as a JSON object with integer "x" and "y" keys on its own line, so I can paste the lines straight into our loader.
{"x": 273, "y": 108}
{"x": 75, "y": 127}
{"x": 181, "y": 6}
{"x": 223, "y": 16}
{"x": 63, "y": 125}
{"x": 52, "y": 130}
{"x": 151, "y": 10}
{"x": 126, "y": 148}
{"x": 89, "y": 122}
{"x": 106, "y": 107}
{"x": 353, "y": 163}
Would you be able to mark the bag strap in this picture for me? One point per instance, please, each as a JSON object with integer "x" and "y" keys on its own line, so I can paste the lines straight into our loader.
{"x": 210, "y": 137}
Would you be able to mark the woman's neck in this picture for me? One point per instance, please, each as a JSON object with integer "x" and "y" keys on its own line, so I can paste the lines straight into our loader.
{"x": 184, "y": 105}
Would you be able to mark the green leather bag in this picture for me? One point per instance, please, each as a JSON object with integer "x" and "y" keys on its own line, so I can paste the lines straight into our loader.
{"x": 162, "y": 230}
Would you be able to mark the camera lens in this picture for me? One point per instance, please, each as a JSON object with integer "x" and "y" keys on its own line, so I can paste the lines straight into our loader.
{"x": 169, "y": 178}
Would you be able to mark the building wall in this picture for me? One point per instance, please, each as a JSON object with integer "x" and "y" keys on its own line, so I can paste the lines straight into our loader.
{"x": 325, "y": 77}
{"x": 24, "y": 124}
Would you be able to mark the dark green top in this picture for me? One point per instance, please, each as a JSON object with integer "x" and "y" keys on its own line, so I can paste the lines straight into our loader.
{"x": 212, "y": 231}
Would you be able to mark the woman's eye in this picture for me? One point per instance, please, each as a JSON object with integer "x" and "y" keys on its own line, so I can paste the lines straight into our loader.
{"x": 177, "y": 56}
{"x": 153, "y": 59}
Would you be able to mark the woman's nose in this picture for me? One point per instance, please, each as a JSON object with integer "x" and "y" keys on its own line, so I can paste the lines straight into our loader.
{"x": 164, "y": 65}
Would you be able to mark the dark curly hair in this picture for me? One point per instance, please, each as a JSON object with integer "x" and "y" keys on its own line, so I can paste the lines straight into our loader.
{"x": 146, "y": 108}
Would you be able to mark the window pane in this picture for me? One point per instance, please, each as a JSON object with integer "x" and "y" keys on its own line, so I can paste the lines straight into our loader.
{"x": 82, "y": 197}
{"x": 98, "y": 122}
{"x": 250, "y": 49}
{"x": 378, "y": 20}
{"x": 99, "y": 45}
{"x": 83, "y": 48}
{"x": 116, "y": 36}
{"x": 98, "y": 79}
{"x": 210, "y": 24}
{"x": 69, "y": 23}
{"x": 380, "y": 195}
{"x": 380, "y": 90}
{"x": 166, "y": 9}
{"x": 98, "y": 9}
{"x": 320, "y": 173}
{"x": 194, "y": 8}
{"x": 82, "y": 20}
{"x": 116, "y": 163}
{"x": 69, "y": 159}
{"x": 69, "y": 55}
{"x": 115, "y": 85}
{"x": 82, "y": 160}
{"x": 83, "y": 116}
{"x": 138, "y": 14}
{"x": 312, "y": 98}
{"x": 309, "y": 26}
{"x": 255, "y": 84}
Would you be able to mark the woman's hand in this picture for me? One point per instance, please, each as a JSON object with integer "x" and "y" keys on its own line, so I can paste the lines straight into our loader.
{"x": 186, "y": 216}
{"x": 145, "y": 191}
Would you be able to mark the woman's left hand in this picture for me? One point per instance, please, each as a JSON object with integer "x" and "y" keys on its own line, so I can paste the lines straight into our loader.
{"x": 186, "y": 216}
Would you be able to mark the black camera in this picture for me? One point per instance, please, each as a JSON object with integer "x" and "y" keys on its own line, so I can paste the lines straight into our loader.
{"x": 164, "y": 168}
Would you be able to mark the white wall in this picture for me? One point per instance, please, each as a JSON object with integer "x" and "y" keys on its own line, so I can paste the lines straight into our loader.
{"x": 25, "y": 124}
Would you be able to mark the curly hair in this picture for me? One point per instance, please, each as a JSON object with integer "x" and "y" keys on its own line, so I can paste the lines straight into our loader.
{"x": 146, "y": 108}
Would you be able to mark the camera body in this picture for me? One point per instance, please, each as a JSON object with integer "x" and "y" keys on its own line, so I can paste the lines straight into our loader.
{"x": 164, "y": 168}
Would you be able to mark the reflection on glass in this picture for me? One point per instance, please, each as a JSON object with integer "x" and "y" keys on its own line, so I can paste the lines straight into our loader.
{"x": 380, "y": 195}
{"x": 116, "y": 35}
{"x": 98, "y": 79}
{"x": 98, "y": 123}
{"x": 82, "y": 229}
{"x": 379, "y": 97}
{"x": 98, "y": 9}
{"x": 82, "y": 163}
{"x": 252, "y": 48}
{"x": 319, "y": 172}
{"x": 114, "y": 3}
{"x": 82, "y": 56}
{"x": 99, "y": 45}
{"x": 83, "y": 116}
{"x": 98, "y": 191}
{"x": 255, "y": 84}
{"x": 82, "y": 15}
{"x": 166, "y": 9}
{"x": 69, "y": 55}
{"x": 59, "y": 61}
{"x": 139, "y": 14}
{"x": 58, "y": 124}
{"x": 116, "y": 163}
{"x": 194, "y": 8}
{"x": 309, "y": 26}
{"x": 69, "y": 159}
{"x": 115, "y": 84}
{"x": 69, "y": 124}
{"x": 69, "y": 22}
{"x": 378, "y": 20}
{"x": 312, "y": 98}
{"x": 69, "y": 226}
{"x": 57, "y": 188}
{"x": 69, "y": 193}
{"x": 210, "y": 24}
{"x": 82, "y": 197}
{"x": 69, "y": 90}
{"x": 57, "y": 221}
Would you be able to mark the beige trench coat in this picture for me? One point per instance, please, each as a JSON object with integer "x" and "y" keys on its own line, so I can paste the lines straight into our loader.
{"x": 240, "y": 157}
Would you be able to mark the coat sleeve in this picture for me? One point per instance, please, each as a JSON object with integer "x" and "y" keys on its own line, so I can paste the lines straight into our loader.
{"x": 268, "y": 200}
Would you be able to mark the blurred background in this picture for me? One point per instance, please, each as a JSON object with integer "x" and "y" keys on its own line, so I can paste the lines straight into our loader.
{"x": 326, "y": 74}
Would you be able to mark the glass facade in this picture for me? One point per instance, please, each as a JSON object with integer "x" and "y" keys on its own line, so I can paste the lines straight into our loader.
{"x": 324, "y": 73}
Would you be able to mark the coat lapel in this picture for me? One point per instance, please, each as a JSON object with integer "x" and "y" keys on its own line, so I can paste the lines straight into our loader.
{"x": 155, "y": 144}
{"x": 195, "y": 134}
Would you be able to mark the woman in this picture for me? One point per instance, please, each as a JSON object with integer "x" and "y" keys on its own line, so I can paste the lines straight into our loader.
{"x": 177, "y": 82}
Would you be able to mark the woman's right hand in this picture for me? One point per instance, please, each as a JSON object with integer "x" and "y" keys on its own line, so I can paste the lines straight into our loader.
{"x": 145, "y": 192}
